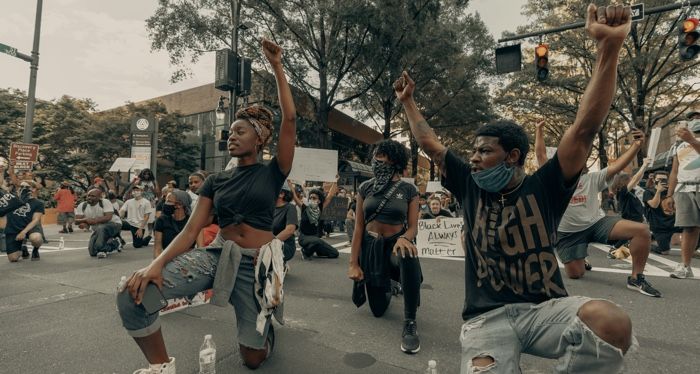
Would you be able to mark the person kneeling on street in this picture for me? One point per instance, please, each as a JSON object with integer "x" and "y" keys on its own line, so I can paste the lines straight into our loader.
{"x": 138, "y": 212}
{"x": 311, "y": 225}
{"x": 23, "y": 222}
{"x": 100, "y": 215}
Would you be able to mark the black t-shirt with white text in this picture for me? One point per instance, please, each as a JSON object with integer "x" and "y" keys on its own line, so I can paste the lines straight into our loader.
{"x": 22, "y": 216}
{"x": 509, "y": 250}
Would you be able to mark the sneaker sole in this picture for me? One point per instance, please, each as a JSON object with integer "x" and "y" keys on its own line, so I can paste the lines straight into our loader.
{"x": 674, "y": 276}
{"x": 631, "y": 287}
{"x": 403, "y": 349}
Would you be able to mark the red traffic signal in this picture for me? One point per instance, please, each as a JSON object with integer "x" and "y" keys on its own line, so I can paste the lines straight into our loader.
{"x": 542, "y": 62}
{"x": 688, "y": 38}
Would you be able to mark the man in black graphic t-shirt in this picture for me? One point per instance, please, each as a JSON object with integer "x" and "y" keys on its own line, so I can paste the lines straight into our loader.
{"x": 515, "y": 300}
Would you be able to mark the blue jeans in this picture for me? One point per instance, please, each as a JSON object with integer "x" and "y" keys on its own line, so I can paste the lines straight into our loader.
{"x": 188, "y": 274}
{"x": 551, "y": 329}
{"x": 100, "y": 236}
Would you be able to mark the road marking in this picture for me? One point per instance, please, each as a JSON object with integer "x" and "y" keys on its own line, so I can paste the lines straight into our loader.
{"x": 649, "y": 269}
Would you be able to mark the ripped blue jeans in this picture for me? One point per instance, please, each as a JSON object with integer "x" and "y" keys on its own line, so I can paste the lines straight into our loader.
{"x": 551, "y": 329}
{"x": 188, "y": 274}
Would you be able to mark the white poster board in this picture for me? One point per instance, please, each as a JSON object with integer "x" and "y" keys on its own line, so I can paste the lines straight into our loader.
{"x": 434, "y": 186}
{"x": 122, "y": 164}
{"x": 653, "y": 142}
{"x": 142, "y": 155}
{"x": 440, "y": 237}
{"x": 311, "y": 164}
{"x": 550, "y": 152}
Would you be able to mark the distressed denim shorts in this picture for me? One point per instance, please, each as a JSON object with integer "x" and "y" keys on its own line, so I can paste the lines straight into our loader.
{"x": 551, "y": 329}
{"x": 188, "y": 274}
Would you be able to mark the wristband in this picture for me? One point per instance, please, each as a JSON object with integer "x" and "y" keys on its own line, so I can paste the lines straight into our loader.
{"x": 405, "y": 238}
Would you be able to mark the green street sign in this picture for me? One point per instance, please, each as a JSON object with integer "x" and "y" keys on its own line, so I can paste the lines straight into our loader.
{"x": 9, "y": 50}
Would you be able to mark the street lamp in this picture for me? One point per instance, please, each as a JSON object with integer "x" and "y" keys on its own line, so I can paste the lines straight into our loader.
{"x": 220, "y": 113}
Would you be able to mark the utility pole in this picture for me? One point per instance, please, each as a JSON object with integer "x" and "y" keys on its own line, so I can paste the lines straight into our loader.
{"x": 34, "y": 66}
{"x": 235, "y": 18}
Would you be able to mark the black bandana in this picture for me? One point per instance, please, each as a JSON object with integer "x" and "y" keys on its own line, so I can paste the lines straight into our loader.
{"x": 383, "y": 172}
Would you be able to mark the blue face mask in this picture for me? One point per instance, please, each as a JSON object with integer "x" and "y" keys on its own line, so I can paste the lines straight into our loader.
{"x": 495, "y": 178}
{"x": 694, "y": 125}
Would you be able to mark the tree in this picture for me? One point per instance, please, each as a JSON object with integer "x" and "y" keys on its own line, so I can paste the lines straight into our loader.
{"x": 655, "y": 88}
{"x": 12, "y": 110}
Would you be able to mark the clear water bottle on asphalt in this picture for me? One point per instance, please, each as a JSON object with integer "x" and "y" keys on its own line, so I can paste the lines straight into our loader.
{"x": 207, "y": 356}
{"x": 61, "y": 244}
{"x": 432, "y": 367}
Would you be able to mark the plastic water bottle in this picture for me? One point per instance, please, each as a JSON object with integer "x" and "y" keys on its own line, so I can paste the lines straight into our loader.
{"x": 432, "y": 367}
{"x": 61, "y": 244}
{"x": 207, "y": 356}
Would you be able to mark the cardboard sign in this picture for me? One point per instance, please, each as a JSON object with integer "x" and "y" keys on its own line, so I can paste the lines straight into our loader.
{"x": 311, "y": 164}
{"x": 434, "y": 186}
{"x": 336, "y": 210}
{"x": 440, "y": 237}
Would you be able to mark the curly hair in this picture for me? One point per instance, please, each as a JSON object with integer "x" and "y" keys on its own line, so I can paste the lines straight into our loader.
{"x": 510, "y": 136}
{"x": 142, "y": 175}
{"x": 261, "y": 119}
{"x": 321, "y": 195}
{"x": 394, "y": 151}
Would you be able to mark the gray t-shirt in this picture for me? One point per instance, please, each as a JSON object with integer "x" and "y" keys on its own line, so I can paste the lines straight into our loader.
{"x": 584, "y": 206}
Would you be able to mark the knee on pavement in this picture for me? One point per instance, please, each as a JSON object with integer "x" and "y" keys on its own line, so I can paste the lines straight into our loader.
{"x": 609, "y": 322}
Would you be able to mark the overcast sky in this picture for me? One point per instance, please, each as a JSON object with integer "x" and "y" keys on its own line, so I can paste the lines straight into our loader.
{"x": 100, "y": 49}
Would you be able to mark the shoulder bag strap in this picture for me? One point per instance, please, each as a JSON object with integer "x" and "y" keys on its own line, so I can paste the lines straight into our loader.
{"x": 387, "y": 196}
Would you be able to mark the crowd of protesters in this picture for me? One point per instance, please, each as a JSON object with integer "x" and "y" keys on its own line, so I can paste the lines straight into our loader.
{"x": 235, "y": 231}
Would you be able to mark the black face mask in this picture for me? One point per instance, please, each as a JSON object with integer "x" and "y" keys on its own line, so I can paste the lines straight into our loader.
{"x": 168, "y": 209}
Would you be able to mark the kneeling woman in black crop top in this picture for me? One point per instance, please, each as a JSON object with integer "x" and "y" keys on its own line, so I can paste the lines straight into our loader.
{"x": 244, "y": 202}
{"x": 387, "y": 219}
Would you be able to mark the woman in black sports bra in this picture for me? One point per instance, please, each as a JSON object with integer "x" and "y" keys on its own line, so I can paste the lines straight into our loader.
{"x": 243, "y": 200}
{"x": 387, "y": 219}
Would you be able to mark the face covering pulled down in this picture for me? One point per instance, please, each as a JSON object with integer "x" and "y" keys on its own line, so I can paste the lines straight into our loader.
{"x": 494, "y": 179}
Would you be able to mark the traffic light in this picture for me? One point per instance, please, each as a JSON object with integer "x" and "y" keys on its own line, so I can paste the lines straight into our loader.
{"x": 542, "y": 62}
{"x": 688, "y": 38}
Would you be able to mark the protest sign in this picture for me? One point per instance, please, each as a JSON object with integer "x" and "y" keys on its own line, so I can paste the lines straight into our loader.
{"x": 336, "y": 210}
{"x": 550, "y": 152}
{"x": 653, "y": 142}
{"x": 311, "y": 164}
{"x": 440, "y": 237}
{"x": 434, "y": 186}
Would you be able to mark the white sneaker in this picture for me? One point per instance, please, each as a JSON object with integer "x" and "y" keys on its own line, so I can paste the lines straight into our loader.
{"x": 166, "y": 368}
{"x": 682, "y": 272}
{"x": 101, "y": 255}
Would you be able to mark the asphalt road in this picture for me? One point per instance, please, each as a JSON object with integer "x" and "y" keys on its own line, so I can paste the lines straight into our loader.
{"x": 58, "y": 316}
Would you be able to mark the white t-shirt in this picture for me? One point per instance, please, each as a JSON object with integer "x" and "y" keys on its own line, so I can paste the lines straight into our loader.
{"x": 584, "y": 206}
{"x": 687, "y": 154}
{"x": 136, "y": 210}
{"x": 97, "y": 211}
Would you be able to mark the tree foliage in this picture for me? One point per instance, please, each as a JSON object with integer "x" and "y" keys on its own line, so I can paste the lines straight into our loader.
{"x": 78, "y": 143}
{"x": 655, "y": 87}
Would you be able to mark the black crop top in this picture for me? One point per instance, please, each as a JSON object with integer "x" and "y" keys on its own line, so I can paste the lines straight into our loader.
{"x": 245, "y": 194}
{"x": 395, "y": 210}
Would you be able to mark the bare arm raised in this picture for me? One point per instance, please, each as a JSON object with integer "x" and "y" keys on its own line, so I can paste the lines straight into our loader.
{"x": 609, "y": 26}
{"x": 288, "y": 128}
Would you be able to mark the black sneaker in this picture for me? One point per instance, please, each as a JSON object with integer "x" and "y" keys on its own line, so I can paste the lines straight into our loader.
{"x": 640, "y": 284}
{"x": 587, "y": 265}
{"x": 70, "y": 229}
{"x": 396, "y": 288}
{"x": 25, "y": 252}
{"x": 35, "y": 254}
{"x": 409, "y": 338}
